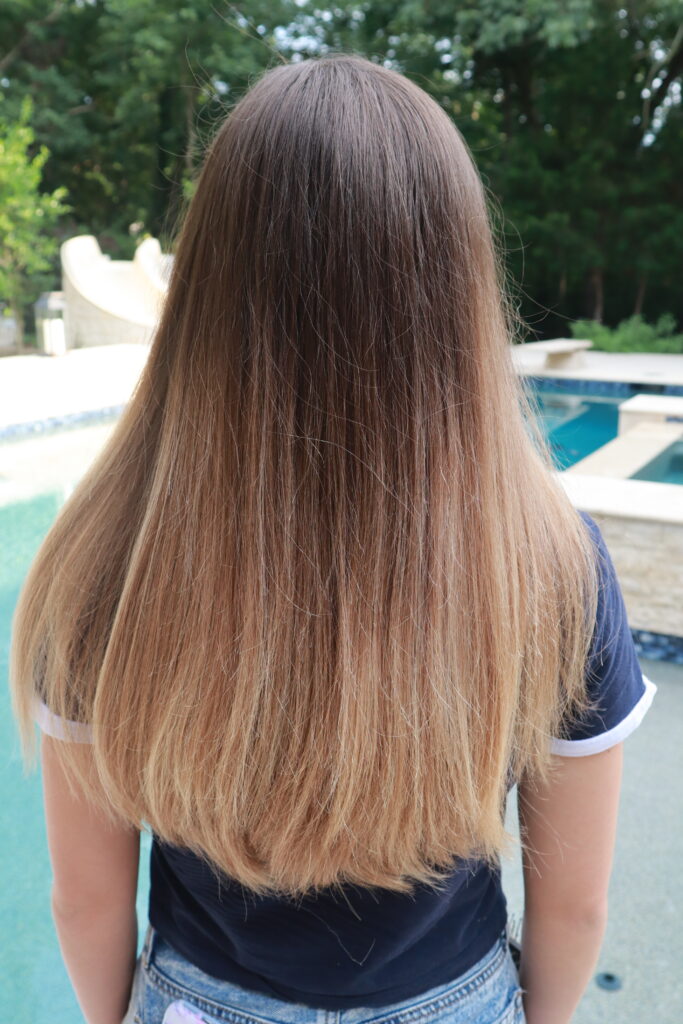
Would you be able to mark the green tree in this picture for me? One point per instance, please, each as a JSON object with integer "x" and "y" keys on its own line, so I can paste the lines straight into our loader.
{"x": 127, "y": 92}
{"x": 27, "y": 216}
{"x": 573, "y": 112}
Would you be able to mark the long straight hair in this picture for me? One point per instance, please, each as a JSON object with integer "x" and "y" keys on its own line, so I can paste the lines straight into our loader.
{"x": 321, "y": 596}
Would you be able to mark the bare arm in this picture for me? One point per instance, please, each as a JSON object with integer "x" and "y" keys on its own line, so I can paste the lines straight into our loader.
{"x": 568, "y": 830}
{"x": 95, "y": 868}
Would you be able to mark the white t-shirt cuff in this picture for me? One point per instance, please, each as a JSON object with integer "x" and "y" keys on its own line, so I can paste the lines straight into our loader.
{"x": 60, "y": 728}
{"x": 605, "y": 740}
{"x": 80, "y": 732}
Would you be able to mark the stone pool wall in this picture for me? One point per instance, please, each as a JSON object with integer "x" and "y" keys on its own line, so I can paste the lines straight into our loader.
{"x": 642, "y": 524}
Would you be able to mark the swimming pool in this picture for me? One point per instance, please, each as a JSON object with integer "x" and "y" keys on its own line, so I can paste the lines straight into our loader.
{"x": 34, "y": 988}
{"x": 35, "y": 478}
{"x": 666, "y": 468}
{"x": 576, "y": 425}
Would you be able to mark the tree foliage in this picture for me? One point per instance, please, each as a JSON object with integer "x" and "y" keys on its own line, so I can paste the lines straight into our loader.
{"x": 27, "y": 215}
{"x": 632, "y": 335}
{"x": 126, "y": 94}
{"x": 574, "y": 115}
{"x": 573, "y": 112}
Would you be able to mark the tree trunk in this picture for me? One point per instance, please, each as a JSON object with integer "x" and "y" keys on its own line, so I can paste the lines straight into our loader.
{"x": 190, "y": 135}
{"x": 562, "y": 287}
{"x": 525, "y": 88}
{"x": 507, "y": 108}
{"x": 597, "y": 294}
{"x": 161, "y": 193}
{"x": 18, "y": 315}
{"x": 640, "y": 295}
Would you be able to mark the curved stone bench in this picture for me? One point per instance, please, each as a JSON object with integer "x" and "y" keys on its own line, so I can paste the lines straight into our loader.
{"x": 561, "y": 353}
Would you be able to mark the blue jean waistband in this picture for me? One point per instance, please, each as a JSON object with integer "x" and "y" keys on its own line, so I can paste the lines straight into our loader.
{"x": 175, "y": 975}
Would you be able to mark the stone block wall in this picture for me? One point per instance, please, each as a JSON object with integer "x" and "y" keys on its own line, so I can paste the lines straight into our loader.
{"x": 648, "y": 557}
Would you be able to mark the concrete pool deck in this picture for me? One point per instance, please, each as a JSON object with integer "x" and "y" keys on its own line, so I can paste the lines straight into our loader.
{"x": 628, "y": 367}
{"x": 644, "y": 940}
{"x": 36, "y": 388}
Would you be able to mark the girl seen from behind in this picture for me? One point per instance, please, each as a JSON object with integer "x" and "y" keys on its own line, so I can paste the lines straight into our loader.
{"x": 321, "y": 602}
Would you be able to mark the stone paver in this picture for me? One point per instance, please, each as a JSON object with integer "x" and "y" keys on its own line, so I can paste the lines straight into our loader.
{"x": 630, "y": 367}
{"x": 644, "y": 940}
{"x": 35, "y": 388}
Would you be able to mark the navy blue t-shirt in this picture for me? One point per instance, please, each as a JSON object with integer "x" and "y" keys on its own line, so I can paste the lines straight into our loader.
{"x": 370, "y": 946}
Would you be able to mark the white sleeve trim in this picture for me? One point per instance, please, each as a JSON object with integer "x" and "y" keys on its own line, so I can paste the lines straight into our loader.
{"x": 596, "y": 744}
{"x": 61, "y": 728}
{"x": 80, "y": 732}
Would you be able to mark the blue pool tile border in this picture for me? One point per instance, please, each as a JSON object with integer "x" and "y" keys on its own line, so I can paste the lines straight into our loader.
{"x": 20, "y": 431}
{"x": 611, "y": 388}
{"x": 658, "y": 646}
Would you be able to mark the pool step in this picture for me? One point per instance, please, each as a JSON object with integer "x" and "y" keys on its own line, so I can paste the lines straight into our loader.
{"x": 630, "y": 451}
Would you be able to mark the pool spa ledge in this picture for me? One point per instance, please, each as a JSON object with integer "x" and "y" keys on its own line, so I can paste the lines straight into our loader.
{"x": 642, "y": 520}
{"x": 642, "y": 523}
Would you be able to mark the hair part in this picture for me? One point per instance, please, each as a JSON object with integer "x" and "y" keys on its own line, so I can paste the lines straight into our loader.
{"x": 321, "y": 596}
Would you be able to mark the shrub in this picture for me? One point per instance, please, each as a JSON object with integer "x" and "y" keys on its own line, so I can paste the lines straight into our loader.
{"x": 632, "y": 335}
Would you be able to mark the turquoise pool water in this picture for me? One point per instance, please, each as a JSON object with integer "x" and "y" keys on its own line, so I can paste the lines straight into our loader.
{"x": 666, "y": 468}
{"x": 576, "y": 425}
{"x": 34, "y": 987}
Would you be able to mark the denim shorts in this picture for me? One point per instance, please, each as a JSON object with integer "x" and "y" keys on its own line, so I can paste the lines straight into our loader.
{"x": 168, "y": 989}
